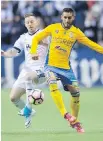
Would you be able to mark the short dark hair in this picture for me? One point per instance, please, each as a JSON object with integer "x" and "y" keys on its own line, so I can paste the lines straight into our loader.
{"x": 71, "y": 10}
{"x": 29, "y": 14}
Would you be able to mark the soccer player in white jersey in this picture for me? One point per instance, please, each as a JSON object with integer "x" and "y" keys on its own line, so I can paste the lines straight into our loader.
{"x": 32, "y": 69}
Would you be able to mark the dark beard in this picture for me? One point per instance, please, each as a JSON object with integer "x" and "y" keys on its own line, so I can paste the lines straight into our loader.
{"x": 66, "y": 27}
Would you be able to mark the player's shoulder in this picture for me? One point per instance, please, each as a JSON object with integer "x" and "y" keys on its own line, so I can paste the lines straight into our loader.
{"x": 21, "y": 38}
{"x": 23, "y": 35}
{"x": 75, "y": 29}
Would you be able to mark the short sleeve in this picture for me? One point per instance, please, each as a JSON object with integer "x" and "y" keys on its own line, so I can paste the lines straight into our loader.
{"x": 19, "y": 44}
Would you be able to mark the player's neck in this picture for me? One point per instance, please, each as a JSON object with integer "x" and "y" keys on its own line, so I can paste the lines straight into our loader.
{"x": 32, "y": 33}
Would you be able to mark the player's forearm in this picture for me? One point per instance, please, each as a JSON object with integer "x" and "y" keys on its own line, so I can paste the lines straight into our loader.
{"x": 10, "y": 53}
{"x": 34, "y": 45}
{"x": 93, "y": 45}
{"x": 36, "y": 40}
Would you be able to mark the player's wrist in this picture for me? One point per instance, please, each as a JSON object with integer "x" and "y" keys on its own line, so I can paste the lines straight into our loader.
{"x": 35, "y": 57}
{"x": 2, "y": 53}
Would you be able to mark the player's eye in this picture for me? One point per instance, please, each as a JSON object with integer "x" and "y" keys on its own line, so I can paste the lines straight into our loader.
{"x": 65, "y": 17}
{"x": 27, "y": 22}
{"x": 69, "y": 17}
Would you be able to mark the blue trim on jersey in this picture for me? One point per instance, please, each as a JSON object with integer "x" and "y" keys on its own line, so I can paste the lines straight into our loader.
{"x": 40, "y": 73}
{"x": 34, "y": 32}
{"x": 47, "y": 56}
{"x": 70, "y": 53}
{"x": 66, "y": 75}
{"x": 46, "y": 61}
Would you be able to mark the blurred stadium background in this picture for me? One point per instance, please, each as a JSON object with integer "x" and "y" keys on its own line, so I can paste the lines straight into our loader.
{"x": 87, "y": 65}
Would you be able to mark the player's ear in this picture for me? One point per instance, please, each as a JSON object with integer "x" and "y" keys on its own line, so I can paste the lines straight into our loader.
{"x": 37, "y": 21}
{"x": 73, "y": 18}
{"x": 24, "y": 23}
{"x": 61, "y": 16}
{"x": 74, "y": 15}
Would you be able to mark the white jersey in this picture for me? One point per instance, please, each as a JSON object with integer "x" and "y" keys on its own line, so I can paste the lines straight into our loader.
{"x": 24, "y": 43}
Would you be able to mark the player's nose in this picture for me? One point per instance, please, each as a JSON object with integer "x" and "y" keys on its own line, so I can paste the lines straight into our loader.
{"x": 67, "y": 21}
{"x": 29, "y": 24}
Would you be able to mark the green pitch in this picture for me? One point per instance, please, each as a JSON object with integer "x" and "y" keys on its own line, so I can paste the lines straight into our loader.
{"x": 48, "y": 125}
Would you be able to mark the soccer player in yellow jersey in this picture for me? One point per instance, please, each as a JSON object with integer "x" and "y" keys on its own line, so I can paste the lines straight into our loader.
{"x": 63, "y": 37}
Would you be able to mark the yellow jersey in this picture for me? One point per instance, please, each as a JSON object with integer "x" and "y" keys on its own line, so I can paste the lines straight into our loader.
{"x": 61, "y": 44}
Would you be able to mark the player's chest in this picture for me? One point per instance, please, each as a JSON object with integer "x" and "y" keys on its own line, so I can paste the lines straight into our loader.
{"x": 63, "y": 34}
{"x": 28, "y": 42}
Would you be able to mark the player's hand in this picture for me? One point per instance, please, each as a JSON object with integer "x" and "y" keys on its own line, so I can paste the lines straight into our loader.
{"x": 2, "y": 53}
{"x": 35, "y": 57}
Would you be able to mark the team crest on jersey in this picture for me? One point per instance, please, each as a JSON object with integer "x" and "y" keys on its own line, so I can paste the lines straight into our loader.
{"x": 71, "y": 34}
{"x": 57, "y": 31}
{"x": 27, "y": 46}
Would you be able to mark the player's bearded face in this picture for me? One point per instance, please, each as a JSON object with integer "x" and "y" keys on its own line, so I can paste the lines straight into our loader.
{"x": 67, "y": 19}
{"x": 31, "y": 24}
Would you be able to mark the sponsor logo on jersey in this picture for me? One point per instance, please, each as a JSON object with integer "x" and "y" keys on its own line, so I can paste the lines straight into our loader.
{"x": 27, "y": 46}
{"x": 60, "y": 48}
{"x": 62, "y": 41}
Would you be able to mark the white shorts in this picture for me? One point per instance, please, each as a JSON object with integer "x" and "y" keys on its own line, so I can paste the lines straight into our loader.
{"x": 20, "y": 82}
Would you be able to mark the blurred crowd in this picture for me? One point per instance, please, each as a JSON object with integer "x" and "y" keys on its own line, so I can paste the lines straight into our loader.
{"x": 89, "y": 17}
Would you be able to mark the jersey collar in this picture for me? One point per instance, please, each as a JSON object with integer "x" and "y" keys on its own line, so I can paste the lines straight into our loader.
{"x": 33, "y": 33}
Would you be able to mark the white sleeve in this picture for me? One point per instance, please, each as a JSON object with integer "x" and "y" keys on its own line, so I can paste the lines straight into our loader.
{"x": 19, "y": 44}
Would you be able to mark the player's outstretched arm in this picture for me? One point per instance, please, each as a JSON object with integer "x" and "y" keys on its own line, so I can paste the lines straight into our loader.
{"x": 39, "y": 37}
{"x": 36, "y": 56}
{"x": 9, "y": 53}
{"x": 81, "y": 38}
